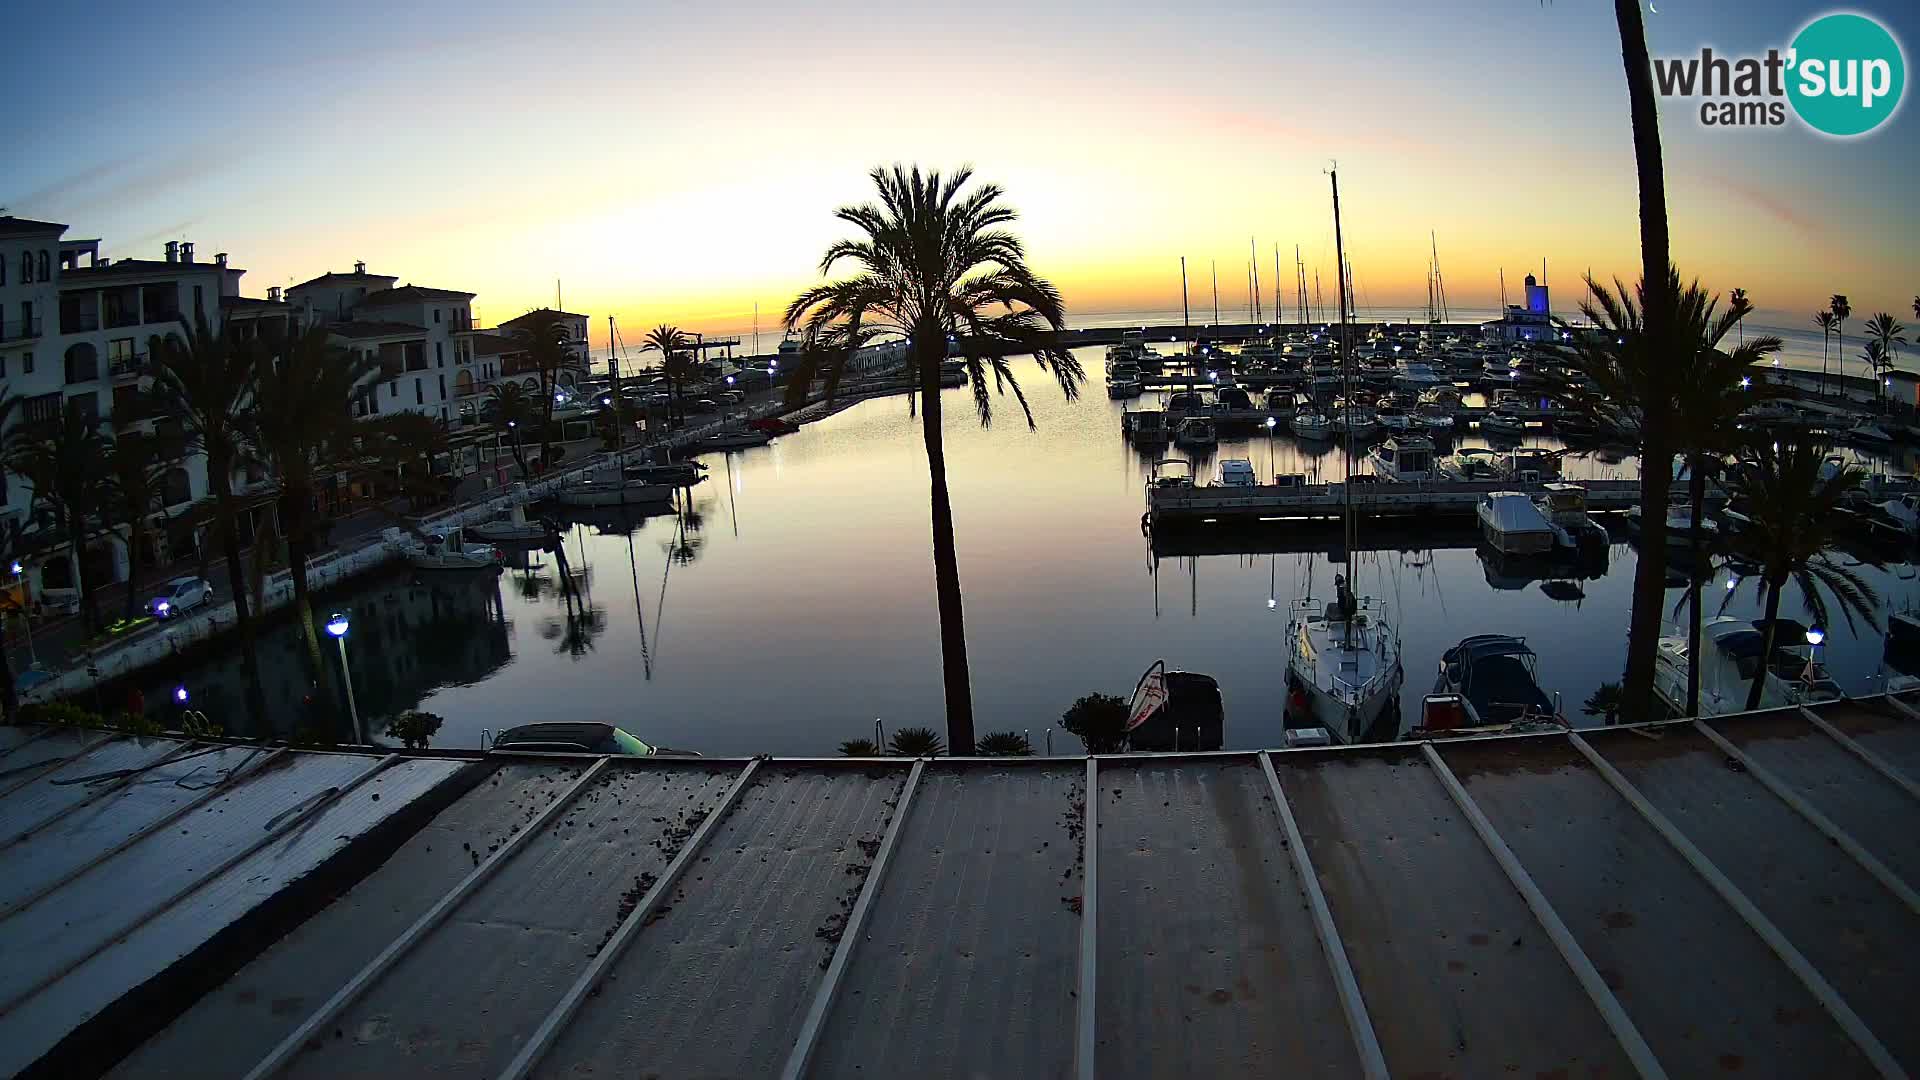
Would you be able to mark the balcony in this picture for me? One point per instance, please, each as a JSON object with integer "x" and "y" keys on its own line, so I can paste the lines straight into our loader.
{"x": 79, "y": 322}
{"x": 130, "y": 366}
{"x": 19, "y": 329}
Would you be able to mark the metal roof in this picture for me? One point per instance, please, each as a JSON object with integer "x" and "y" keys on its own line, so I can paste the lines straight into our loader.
{"x": 1667, "y": 900}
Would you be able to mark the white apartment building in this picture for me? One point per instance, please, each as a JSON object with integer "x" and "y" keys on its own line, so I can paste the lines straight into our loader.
{"x": 418, "y": 335}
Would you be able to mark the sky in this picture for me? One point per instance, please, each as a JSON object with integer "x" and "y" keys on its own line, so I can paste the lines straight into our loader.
{"x": 680, "y": 163}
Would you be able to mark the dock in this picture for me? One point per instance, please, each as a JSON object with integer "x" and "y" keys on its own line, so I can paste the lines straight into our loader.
{"x": 1179, "y": 505}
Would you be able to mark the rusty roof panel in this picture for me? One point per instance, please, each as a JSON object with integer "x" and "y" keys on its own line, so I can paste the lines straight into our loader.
{"x": 743, "y": 941}
{"x": 1206, "y": 942}
{"x": 1660, "y": 936}
{"x": 1458, "y": 975}
{"x": 968, "y": 964}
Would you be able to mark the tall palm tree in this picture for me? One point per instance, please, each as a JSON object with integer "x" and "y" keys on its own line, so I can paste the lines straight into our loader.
{"x": 136, "y": 468}
{"x": 1626, "y": 378}
{"x": 63, "y": 458}
{"x": 1656, "y": 249}
{"x": 548, "y": 346}
{"x": 13, "y": 540}
{"x": 1794, "y": 530}
{"x": 1889, "y": 335}
{"x": 302, "y": 422}
{"x": 206, "y": 378}
{"x": 935, "y": 267}
{"x": 510, "y": 409}
{"x": 1825, "y": 321}
{"x": 1841, "y": 309}
{"x": 1713, "y": 389}
{"x": 675, "y": 365}
{"x": 1737, "y": 299}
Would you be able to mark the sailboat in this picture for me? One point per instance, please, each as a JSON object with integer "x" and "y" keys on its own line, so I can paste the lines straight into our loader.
{"x": 1343, "y": 655}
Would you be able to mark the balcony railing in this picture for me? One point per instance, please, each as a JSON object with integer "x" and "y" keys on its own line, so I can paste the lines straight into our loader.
{"x": 123, "y": 366}
{"x": 79, "y": 322}
{"x": 19, "y": 329}
{"x": 118, "y": 319}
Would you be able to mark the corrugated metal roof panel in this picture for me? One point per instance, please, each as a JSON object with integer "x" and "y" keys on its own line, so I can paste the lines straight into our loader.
{"x": 968, "y": 964}
{"x": 12, "y": 736}
{"x": 88, "y": 832}
{"x": 1459, "y": 976}
{"x": 63, "y": 927}
{"x": 226, "y": 1032}
{"x": 1849, "y": 925}
{"x": 49, "y": 749}
{"x": 521, "y": 939}
{"x": 1838, "y": 784}
{"x": 1882, "y": 729}
{"x": 1664, "y": 941}
{"x": 742, "y": 942}
{"x": 34, "y": 1027}
{"x": 70, "y": 784}
{"x": 1206, "y": 941}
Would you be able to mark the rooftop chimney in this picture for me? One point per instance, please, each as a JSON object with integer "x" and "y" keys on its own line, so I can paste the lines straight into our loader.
{"x": 359, "y": 267}
{"x": 273, "y": 293}
{"x": 186, "y": 251}
{"x": 220, "y": 259}
{"x": 173, "y": 251}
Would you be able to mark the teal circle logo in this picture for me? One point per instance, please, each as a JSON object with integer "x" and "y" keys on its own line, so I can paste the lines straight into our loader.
{"x": 1848, "y": 75}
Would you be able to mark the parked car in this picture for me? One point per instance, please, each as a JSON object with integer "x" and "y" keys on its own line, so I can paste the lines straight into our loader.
{"x": 578, "y": 738}
{"x": 706, "y": 404}
{"x": 734, "y": 397}
{"x": 180, "y": 596}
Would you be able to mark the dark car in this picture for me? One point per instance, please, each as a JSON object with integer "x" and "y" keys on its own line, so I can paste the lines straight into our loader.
{"x": 578, "y": 738}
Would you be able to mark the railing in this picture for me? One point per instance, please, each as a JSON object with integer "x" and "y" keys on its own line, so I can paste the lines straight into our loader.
{"x": 118, "y": 319}
{"x": 19, "y": 329}
{"x": 79, "y": 322}
{"x": 135, "y": 364}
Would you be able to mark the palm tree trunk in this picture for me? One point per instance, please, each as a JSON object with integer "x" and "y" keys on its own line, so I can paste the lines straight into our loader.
{"x": 9, "y": 692}
{"x": 1697, "y": 495}
{"x": 1825, "y": 337}
{"x": 89, "y": 615}
{"x": 547, "y": 384}
{"x": 293, "y": 505}
{"x": 133, "y": 569}
{"x": 220, "y": 474}
{"x": 946, "y": 565}
{"x": 1766, "y": 644}
{"x": 1649, "y": 583}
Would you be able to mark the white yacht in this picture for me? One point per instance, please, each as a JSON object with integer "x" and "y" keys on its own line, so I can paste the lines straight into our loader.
{"x": 1433, "y": 419}
{"x": 1354, "y": 420}
{"x": 1123, "y": 380}
{"x": 1503, "y": 423}
{"x": 1470, "y": 463}
{"x": 1195, "y": 431}
{"x": 1513, "y": 525}
{"x": 1310, "y": 423}
{"x": 449, "y": 550}
{"x": 616, "y": 490}
{"x": 1565, "y": 508}
{"x": 509, "y": 525}
{"x": 1417, "y": 375}
{"x": 1404, "y": 458}
{"x": 1343, "y": 668}
{"x": 1730, "y": 652}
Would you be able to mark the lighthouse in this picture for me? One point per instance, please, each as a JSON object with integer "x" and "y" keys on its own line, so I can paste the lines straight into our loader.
{"x": 1536, "y": 297}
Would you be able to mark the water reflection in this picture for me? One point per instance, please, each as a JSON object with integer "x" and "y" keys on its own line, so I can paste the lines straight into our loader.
{"x": 789, "y": 601}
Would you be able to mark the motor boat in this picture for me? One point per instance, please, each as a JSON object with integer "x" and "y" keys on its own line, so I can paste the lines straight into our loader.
{"x": 732, "y": 440}
{"x": 1513, "y": 525}
{"x": 1470, "y": 463}
{"x": 1175, "y": 710}
{"x": 1343, "y": 669}
{"x": 1393, "y": 418}
{"x": 1145, "y": 427}
{"x": 449, "y": 550}
{"x": 616, "y": 491}
{"x": 509, "y": 525}
{"x": 1196, "y": 431}
{"x": 1902, "y": 513}
{"x": 1679, "y": 524}
{"x": 1488, "y": 683}
{"x": 1237, "y": 472}
{"x": 1355, "y": 421}
{"x": 1417, "y": 375}
{"x": 1280, "y": 403}
{"x": 1171, "y": 474}
{"x": 1730, "y": 651}
{"x": 1527, "y": 466}
{"x": 1404, "y": 458}
{"x": 1500, "y": 422}
{"x": 1127, "y": 385}
{"x": 1565, "y": 508}
{"x": 1433, "y": 419}
{"x": 1309, "y": 422}
{"x": 678, "y": 473}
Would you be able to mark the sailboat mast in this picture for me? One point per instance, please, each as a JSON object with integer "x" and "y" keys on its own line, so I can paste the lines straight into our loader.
{"x": 1253, "y": 260}
{"x": 1186, "y": 320}
{"x": 1346, "y": 380}
{"x": 1214, "y": 266}
{"x": 1278, "y": 315}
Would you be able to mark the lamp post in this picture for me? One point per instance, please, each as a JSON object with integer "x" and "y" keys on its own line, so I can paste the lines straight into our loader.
{"x": 1271, "y": 468}
{"x": 772, "y": 366}
{"x": 338, "y": 626}
{"x": 1815, "y": 636}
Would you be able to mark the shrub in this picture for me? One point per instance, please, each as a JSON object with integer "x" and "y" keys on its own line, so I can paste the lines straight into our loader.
{"x": 916, "y": 742}
{"x": 414, "y": 728}
{"x": 1100, "y": 721}
{"x": 1004, "y": 744}
{"x": 859, "y": 748}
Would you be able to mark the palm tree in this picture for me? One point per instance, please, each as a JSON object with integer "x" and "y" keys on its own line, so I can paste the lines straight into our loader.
{"x": 675, "y": 365}
{"x": 1713, "y": 389}
{"x": 13, "y": 538}
{"x": 206, "y": 378}
{"x": 508, "y": 405}
{"x": 916, "y": 742}
{"x": 63, "y": 458}
{"x": 1889, "y": 335}
{"x": 1627, "y": 378}
{"x": 1005, "y": 744}
{"x": 136, "y": 469}
{"x": 936, "y": 268}
{"x": 1795, "y": 523}
{"x": 548, "y": 348}
{"x": 1737, "y": 300}
{"x": 1825, "y": 321}
{"x": 1873, "y": 356}
{"x": 1841, "y": 309}
{"x": 301, "y": 422}
{"x": 859, "y": 748}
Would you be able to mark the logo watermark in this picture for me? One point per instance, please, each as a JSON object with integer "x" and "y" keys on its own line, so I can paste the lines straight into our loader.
{"x": 1843, "y": 75}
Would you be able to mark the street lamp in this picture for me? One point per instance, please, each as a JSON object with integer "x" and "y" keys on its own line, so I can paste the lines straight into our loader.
{"x": 1271, "y": 424}
{"x": 1815, "y": 636}
{"x": 338, "y": 626}
{"x": 772, "y": 366}
{"x": 180, "y": 695}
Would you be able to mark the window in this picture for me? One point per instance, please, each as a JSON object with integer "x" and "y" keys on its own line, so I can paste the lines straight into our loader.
{"x": 393, "y": 388}
{"x": 26, "y": 363}
{"x": 26, "y": 267}
{"x": 44, "y": 407}
{"x": 120, "y": 359}
{"x": 439, "y": 355}
{"x": 443, "y": 386}
{"x": 419, "y": 393}
{"x": 3, "y": 271}
{"x": 436, "y": 314}
{"x": 197, "y": 300}
{"x": 26, "y": 317}
{"x": 46, "y": 266}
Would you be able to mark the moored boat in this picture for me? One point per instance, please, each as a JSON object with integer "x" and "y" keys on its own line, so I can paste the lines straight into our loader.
{"x": 1196, "y": 431}
{"x": 1343, "y": 669}
{"x": 1404, "y": 458}
{"x": 616, "y": 491}
{"x": 1513, "y": 525}
{"x": 1730, "y": 658}
{"x": 449, "y": 550}
{"x": 1488, "y": 683}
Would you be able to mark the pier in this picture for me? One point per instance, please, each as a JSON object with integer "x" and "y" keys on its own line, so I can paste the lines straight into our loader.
{"x": 1173, "y": 506}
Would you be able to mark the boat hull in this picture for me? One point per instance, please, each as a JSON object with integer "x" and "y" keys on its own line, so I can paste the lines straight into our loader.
{"x": 1374, "y": 719}
{"x": 616, "y": 495}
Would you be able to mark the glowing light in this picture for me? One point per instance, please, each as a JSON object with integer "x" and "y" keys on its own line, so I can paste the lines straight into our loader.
{"x": 1815, "y": 635}
{"x": 180, "y": 694}
{"x": 1271, "y": 422}
{"x": 338, "y": 624}
{"x": 1745, "y": 382}
{"x": 17, "y": 568}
